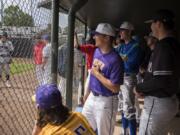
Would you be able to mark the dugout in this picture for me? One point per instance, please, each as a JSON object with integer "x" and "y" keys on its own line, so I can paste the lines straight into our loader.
{"x": 91, "y": 12}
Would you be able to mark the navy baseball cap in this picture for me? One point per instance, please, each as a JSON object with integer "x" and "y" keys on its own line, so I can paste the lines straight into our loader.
{"x": 46, "y": 37}
{"x": 163, "y": 15}
{"x": 48, "y": 96}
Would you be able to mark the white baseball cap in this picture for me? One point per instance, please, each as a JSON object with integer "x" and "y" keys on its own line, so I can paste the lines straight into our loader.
{"x": 106, "y": 29}
{"x": 127, "y": 26}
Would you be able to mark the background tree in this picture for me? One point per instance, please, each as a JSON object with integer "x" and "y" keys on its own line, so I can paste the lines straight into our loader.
{"x": 14, "y": 16}
{"x": 79, "y": 27}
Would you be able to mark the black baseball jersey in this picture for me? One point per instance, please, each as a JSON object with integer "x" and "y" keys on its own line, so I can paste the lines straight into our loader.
{"x": 161, "y": 79}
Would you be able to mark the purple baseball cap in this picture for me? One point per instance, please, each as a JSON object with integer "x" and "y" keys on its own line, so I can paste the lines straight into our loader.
{"x": 48, "y": 96}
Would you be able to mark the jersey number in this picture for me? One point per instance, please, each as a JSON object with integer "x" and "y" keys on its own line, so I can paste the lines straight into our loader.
{"x": 80, "y": 130}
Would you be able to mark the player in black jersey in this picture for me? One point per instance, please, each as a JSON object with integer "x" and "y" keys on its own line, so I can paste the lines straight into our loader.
{"x": 161, "y": 85}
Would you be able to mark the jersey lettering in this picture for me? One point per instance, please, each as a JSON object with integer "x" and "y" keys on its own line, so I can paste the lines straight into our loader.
{"x": 80, "y": 130}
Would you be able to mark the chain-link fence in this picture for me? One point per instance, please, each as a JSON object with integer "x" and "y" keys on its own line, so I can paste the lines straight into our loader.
{"x": 23, "y": 22}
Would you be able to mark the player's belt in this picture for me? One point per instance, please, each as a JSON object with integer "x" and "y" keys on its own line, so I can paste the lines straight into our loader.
{"x": 129, "y": 74}
{"x": 97, "y": 94}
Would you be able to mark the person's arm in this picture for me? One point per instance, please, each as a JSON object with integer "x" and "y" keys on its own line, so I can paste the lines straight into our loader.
{"x": 46, "y": 55}
{"x": 44, "y": 61}
{"x": 115, "y": 79}
{"x": 106, "y": 82}
{"x": 162, "y": 68}
{"x": 76, "y": 43}
{"x": 86, "y": 96}
{"x": 85, "y": 48}
{"x": 34, "y": 53}
{"x": 134, "y": 57}
{"x": 36, "y": 129}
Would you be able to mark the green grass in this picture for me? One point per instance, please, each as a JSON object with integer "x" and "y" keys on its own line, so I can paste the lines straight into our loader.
{"x": 17, "y": 68}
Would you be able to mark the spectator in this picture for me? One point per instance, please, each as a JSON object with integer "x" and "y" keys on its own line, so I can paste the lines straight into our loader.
{"x": 6, "y": 49}
{"x": 46, "y": 60}
{"x": 38, "y": 49}
{"x": 131, "y": 55}
{"x": 87, "y": 48}
{"x": 117, "y": 43}
{"x": 106, "y": 77}
{"x": 54, "y": 118}
{"x": 62, "y": 61}
{"x": 151, "y": 42}
{"x": 160, "y": 85}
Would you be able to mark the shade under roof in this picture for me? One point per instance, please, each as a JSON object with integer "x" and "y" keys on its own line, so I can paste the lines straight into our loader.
{"x": 117, "y": 11}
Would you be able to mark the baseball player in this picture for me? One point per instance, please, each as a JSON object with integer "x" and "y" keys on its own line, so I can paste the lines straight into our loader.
{"x": 38, "y": 49}
{"x": 131, "y": 55}
{"x": 161, "y": 80}
{"x": 54, "y": 118}
{"x": 87, "y": 48}
{"x": 106, "y": 77}
{"x": 6, "y": 49}
{"x": 62, "y": 61}
{"x": 46, "y": 59}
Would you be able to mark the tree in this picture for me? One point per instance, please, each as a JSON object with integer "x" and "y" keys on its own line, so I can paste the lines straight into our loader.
{"x": 78, "y": 23}
{"x": 14, "y": 16}
{"x": 79, "y": 27}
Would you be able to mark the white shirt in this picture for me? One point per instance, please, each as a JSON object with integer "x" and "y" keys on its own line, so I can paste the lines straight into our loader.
{"x": 47, "y": 54}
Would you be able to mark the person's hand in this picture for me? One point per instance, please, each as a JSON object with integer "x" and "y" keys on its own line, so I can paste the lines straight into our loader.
{"x": 124, "y": 58}
{"x": 138, "y": 94}
{"x": 95, "y": 70}
{"x": 79, "y": 65}
{"x": 75, "y": 45}
{"x": 142, "y": 70}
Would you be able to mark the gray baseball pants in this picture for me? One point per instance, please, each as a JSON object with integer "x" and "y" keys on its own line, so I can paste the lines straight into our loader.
{"x": 157, "y": 114}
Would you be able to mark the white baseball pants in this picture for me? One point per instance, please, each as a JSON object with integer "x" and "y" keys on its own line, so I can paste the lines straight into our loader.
{"x": 101, "y": 112}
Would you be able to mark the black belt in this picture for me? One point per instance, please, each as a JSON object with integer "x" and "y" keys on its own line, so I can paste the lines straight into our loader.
{"x": 97, "y": 94}
{"x": 129, "y": 74}
{"x": 126, "y": 74}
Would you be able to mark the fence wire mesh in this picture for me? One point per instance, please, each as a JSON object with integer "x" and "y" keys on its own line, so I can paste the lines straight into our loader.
{"x": 23, "y": 22}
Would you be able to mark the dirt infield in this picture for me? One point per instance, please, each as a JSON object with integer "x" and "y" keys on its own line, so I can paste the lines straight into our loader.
{"x": 17, "y": 110}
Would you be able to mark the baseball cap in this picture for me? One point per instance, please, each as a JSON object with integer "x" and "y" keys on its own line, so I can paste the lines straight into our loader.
{"x": 105, "y": 29}
{"x": 46, "y": 37}
{"x": 163, "y": 15}
{"x": 48, "y": 96}
{"x": 127, "y": 26}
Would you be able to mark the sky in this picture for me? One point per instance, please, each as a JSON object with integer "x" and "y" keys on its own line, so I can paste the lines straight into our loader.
{"x": 41, "y": 16}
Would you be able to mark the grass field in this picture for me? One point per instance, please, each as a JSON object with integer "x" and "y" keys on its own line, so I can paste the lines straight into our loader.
{"x": 18, "y": 67}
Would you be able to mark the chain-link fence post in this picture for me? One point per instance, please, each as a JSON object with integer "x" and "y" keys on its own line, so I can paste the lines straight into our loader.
{"x": 54, "y": 39}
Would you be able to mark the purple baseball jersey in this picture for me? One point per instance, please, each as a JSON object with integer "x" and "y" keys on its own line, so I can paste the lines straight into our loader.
{"x": 111, "y": 66}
